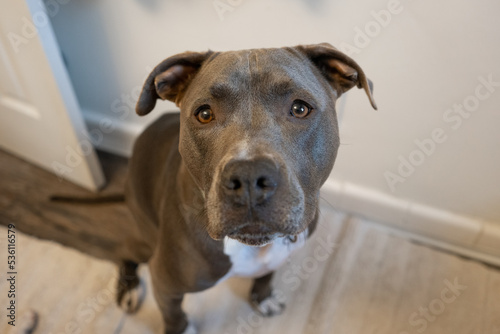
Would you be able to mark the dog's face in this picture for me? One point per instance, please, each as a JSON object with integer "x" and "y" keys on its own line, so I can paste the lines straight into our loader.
{"x": 258, "y": 132}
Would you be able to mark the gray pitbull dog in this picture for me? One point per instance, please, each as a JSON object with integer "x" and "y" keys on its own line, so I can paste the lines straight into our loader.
{"x": 230, "y": 185}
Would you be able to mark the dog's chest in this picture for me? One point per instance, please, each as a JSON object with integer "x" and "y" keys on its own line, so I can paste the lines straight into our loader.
{"x": 252, "y": 261}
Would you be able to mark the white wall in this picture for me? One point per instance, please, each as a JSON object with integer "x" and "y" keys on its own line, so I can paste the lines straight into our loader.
{"x": 425, "y": 59}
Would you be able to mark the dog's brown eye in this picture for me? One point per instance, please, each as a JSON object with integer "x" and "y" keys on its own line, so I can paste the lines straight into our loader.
{"x": 300, "y": 109}
{"x": 205, "y": 116}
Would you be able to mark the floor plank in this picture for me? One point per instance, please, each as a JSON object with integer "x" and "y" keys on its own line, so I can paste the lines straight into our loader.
{"x": 491, "y": 320}
{"x": 69, "y": 290}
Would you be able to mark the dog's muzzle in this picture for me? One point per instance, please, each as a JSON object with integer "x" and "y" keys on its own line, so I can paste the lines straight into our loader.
{"x": 249, "y": 191}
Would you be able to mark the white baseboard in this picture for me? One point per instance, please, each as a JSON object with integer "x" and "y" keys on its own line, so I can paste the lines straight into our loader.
{"x": 466, "y": 236}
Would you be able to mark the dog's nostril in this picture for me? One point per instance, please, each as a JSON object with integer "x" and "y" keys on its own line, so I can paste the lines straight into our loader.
{"x": 234, "y": 184}
{"x": 264, "y": 182}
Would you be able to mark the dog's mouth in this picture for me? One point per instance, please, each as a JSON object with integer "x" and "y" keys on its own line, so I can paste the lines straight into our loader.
{"x": 254, "y": 234}
{"x": 261, "y": 239}
{"x": 254, "y": 240}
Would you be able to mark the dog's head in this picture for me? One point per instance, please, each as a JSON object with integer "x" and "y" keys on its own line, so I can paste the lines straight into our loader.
{"x": 258, "y": 132}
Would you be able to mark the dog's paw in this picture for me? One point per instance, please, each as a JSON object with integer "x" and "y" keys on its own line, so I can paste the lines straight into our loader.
{"x": 131, "y": 300}
{"x": 27, "y": 323}
{"x": 269, "y": 306}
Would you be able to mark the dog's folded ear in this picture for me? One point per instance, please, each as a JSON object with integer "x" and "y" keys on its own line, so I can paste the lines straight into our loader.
{"x": 340, "y": 70}
{"x": 169, "y": 80}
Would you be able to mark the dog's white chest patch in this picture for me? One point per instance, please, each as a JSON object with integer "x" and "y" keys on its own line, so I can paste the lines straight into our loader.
{"x": 257, "y": 261}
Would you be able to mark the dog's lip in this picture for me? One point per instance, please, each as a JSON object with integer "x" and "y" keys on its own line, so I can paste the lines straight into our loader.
{"x": 254, "y": 239}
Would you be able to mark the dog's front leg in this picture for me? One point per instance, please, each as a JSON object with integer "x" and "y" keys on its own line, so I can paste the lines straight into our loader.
{"x": 263, "y": 299}
{"x": 169, "y": 302}
{"x": 173, "y": 316}
{"x": 130, "y": 290}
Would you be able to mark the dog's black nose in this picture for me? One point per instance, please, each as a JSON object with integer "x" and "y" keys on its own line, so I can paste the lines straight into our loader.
{"x": 250, "y": 182}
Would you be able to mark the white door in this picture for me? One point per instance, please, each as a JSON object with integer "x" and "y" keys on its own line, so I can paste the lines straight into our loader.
{"x": 40, "y": 118}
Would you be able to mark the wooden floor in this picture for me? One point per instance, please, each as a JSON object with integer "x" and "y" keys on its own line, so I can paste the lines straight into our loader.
{"x": 352, "y": 277}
